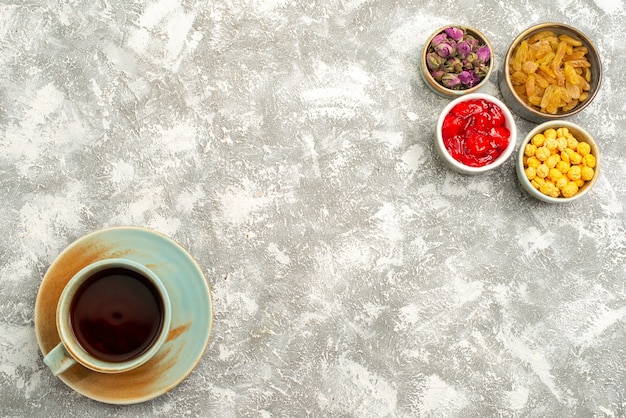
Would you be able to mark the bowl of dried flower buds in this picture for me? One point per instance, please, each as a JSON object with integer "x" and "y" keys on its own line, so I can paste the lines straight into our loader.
{"x": 558, "y": 162}
{"x": 551, "y": 71}
{"x": 456, "y": 60}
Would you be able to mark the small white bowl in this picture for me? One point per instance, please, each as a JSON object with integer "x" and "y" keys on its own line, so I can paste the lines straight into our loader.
{"x": 459, "y": 166}
{"x": 581, "y": 135}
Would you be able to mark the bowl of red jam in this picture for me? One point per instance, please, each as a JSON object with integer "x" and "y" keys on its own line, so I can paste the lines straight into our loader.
{"x": 476, "y": 133}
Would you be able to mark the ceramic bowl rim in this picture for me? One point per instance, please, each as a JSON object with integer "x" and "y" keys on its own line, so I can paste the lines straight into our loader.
{"x": 555, "y": 124}
{"x": 526, "y": 33}
{"x": 502, "y": 158}
{"x": 434, "y": 84}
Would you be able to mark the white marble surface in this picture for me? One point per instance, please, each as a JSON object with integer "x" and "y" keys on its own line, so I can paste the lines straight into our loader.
{"x": 288, "y": 146}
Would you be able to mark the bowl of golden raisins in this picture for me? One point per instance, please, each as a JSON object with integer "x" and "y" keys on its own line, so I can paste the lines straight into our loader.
{"x": 558, "y": 162}
{"x": 551, "y": 71}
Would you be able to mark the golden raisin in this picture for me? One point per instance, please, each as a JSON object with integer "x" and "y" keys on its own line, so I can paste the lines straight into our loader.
{"x": 551, "y": 73}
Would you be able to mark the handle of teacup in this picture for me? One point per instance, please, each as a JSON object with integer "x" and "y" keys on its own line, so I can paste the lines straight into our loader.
{"x": 59, "y": 360}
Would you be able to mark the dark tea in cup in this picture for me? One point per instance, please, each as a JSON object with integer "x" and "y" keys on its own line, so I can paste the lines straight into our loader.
{"x": 113, "y": 316}
{"x": 116, "y": 314}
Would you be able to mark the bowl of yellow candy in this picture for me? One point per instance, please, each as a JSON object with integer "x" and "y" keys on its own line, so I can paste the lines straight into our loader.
{"x": 551, "y": 71}
{"x": 558, "y": 162}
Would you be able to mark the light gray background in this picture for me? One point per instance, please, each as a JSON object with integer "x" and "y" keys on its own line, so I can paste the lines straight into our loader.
{"x": 287, "y": 144}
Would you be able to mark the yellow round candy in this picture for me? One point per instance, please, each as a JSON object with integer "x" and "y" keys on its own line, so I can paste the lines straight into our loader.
{"x": 587, "y": 173}
{"x": 569, "y": 190}
{"x": 583, "y": 148}
{"x": 574, "y": 173}
{"x": 551, "y": 143}
{"x": 550, "y": 133}
{"x": 552, "y": 160}
{"x": 554, "y": 174}
{"x": 533, "y": 162}
{"x": 561, "y": 182}
{"x": 549, "y": 189}
{"x": 529, "y": 150}
{"x": 589, "y": 160}
{"x": 575, "y": 158}
{"x": 537, "y": 182}
{"x": 542, "y": 171}
{"x": 538, "y": 140}
{"x": 530, "y": 173}
{"x": 562, "y": 166}
{"x": 542, "y": 153}
{"x": 571, "y": 141}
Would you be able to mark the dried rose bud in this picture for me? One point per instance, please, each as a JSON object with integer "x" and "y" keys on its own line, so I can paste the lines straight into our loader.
{"x": 454, "y": 33}
{"x": 481, "y": 70}
{"x": 439, "y": 39}
{"x": 484, "y": 54}
{"x": 453, "y": 65}
{"x": 473, "y": 42}
{"x": 463, "y": 49}
{"x": 445, "y": 49}
{"x": 437, "y": 74}
{"x": 468, "y": 78}
{"x": 434, "y": 61}
{"x": 451, "y": 80}
{"x": 472, "y": 58}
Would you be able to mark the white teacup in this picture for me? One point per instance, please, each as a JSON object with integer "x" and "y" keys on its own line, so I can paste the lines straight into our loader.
{"x": 113, "y": 316}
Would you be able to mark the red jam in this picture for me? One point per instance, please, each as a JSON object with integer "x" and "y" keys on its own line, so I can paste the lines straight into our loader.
{"x": 474, "y": 132}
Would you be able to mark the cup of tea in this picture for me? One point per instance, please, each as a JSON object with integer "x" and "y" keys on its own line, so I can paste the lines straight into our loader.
{"x": 112, "y": 316}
